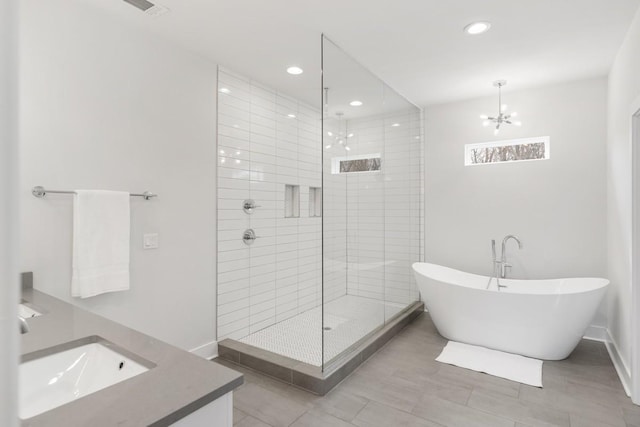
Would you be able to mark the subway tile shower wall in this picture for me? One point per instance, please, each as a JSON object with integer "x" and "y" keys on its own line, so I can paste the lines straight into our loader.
{"x": 266, "y": 140}
{"x": 378, "y": 212}
{"x": 372, "y": 221}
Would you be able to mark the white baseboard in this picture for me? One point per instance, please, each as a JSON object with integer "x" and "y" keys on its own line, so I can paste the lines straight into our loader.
{"x": 600, "y": 333}
{"x": 596, "y": 333}
{"x": 618, "y": 362}
{"x": 206, "y": 351}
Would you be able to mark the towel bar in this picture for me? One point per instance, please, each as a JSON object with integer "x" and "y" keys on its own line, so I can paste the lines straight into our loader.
{"x": 40, "y": 192}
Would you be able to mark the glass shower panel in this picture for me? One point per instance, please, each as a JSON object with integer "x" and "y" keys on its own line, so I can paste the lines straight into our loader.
{"x": 403, "y": 203}
{"x": 319, "y": 210}
{"x": 353, "y": 204}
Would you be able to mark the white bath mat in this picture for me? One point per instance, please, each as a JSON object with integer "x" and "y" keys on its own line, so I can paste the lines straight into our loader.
{"x": 504, "y": 365}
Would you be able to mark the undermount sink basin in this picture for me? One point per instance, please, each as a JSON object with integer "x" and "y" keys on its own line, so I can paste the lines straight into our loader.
{"x": 26, "y": 311}
{"x": 53, "y": 377}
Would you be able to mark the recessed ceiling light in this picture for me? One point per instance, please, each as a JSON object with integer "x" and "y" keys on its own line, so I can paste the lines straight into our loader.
{"x": 476, "y": 28}
{"x": 291, "y": 116}
{"x": 355, "y": 103}
{"x": 395, "y": 125}
{"x": 295, "y": 70}
{"x": 224, "y": 90}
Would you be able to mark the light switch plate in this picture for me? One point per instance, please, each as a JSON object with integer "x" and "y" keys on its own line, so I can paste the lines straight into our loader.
{"x": 150, "y": 241}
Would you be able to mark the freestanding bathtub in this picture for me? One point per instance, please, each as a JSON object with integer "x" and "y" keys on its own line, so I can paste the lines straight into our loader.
{"x": 544, "y": 319}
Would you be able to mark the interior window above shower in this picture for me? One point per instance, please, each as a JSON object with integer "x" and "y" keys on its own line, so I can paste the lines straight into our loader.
{"x": 360, "y": 163}
{"x": 514, "y": 150}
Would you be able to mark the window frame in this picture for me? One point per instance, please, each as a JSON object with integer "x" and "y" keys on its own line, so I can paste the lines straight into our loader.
{"x": 507, "y": 143}
{"x": 335, "y": 163}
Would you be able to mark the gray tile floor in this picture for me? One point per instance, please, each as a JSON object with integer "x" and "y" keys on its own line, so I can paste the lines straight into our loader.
{"x": 402, "y": 385}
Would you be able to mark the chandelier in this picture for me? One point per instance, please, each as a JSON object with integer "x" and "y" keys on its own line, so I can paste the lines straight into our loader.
{"x": 340, "y": 138}
{"x": 502, "y": 117}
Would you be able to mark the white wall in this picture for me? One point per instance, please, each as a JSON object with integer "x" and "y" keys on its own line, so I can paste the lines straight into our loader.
{"x": 624, "y": 88}
{"x": 260, "y": 150}
{"x": 8, "y": 216}
{"x": 109, "y": 107}
{"x": 557, "y": 207}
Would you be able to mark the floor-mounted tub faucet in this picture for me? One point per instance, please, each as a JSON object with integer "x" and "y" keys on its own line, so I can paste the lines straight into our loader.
{"x": 503, "y": 259}
{"x": 24, "y": 327}
{"x": 496, "y": 263}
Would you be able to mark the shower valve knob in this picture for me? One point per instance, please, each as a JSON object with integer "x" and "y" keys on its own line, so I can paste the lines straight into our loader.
{"x": 248, "y": 206}
{"x": 249, "y": 236}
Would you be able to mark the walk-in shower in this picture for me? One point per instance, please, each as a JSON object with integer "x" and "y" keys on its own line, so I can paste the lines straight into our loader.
{"x": 319, "y": 217}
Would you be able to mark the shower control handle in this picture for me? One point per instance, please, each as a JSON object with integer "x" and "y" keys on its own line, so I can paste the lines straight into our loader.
{"x": 249, "y": 205}
{"x": 249, "y": 236}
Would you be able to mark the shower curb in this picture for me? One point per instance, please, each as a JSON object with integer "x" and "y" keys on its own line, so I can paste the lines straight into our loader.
{"x": 309, "y": 377}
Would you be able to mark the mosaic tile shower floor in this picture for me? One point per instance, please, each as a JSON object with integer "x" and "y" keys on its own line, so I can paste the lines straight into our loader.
{"x": 349, "y": 318}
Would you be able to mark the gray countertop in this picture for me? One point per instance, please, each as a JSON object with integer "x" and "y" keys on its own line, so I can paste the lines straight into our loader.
{"x": 178, "y": 385}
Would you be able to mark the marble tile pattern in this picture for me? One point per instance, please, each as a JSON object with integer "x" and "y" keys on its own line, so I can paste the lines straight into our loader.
{"x": 402, "y": 385}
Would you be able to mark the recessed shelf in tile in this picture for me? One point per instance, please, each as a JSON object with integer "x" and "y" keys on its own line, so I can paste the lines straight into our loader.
{"x": 291, "y": 201}
{"x": 315, "y": 202}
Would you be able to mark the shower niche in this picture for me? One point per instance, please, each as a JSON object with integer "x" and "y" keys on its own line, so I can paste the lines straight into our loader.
{"x": 336, "y": 179}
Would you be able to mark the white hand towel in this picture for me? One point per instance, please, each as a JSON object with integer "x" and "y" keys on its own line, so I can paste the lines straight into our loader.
{"x": 101, "y": 235}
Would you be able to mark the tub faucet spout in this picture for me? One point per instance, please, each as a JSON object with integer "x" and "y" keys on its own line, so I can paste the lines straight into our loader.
{"x": 503, "y": 259}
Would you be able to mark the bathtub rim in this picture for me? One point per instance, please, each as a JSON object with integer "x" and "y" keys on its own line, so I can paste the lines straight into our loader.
{"x": 596, "y": 283}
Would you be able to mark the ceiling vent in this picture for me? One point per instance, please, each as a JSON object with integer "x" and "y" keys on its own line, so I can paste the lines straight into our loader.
{"x": 148, "y": 7}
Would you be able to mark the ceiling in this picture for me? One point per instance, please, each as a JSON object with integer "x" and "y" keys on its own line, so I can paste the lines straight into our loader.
{"x": 416, "y": 46}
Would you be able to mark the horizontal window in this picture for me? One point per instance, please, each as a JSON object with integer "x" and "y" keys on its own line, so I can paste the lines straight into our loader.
{"x": 352, "y": 164}
{"x": 514, "y": 150}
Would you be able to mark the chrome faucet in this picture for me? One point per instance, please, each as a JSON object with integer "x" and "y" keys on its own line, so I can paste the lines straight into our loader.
{"x": 503, "y": 259}
{"x": 24, "y": 326}
{"x": 495, "y": 266}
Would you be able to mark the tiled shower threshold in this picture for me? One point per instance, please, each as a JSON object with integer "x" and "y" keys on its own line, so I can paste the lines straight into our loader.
{"x": 309, "y": 377}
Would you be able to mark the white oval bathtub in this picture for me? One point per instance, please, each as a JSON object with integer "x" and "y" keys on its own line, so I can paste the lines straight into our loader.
{"x": 544, "y": 319}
